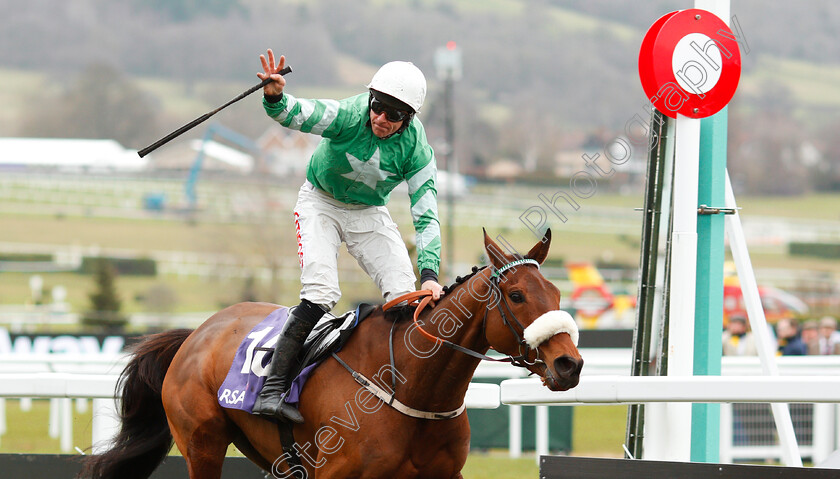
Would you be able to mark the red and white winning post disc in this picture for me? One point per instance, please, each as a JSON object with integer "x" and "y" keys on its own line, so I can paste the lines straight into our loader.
{"x": 689, "y": 63}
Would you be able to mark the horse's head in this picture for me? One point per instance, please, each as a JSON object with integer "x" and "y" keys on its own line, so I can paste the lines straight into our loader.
{"x": 526, "y": 322}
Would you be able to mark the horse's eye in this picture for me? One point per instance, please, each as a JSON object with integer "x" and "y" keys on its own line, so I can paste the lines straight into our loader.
{"x": 517, "y": 297}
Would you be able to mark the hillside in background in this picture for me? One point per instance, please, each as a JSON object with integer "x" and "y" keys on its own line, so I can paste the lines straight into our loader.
{"x": 539, "y": 75}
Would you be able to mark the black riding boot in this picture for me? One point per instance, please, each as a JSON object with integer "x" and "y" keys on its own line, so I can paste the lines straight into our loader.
{"x": 271, "y": 401}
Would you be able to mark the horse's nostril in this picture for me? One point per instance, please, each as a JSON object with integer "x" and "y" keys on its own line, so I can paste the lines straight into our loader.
{"x": 567, "y": 366}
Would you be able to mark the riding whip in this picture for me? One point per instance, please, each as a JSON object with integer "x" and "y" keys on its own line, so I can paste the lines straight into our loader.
{"x": 204, "y": 117}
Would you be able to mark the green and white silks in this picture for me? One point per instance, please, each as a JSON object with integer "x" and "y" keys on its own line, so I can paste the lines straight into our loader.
{"x": 356, "y": 167}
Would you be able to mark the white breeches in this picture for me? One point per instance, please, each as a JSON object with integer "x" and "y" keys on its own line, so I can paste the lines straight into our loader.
{"x": 323, "y": 223}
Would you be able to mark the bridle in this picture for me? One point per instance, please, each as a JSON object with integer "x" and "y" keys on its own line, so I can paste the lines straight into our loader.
{"x": 495, "y": 279}
{"x": 421, "y": 299}
{"x": 521, "y": 360}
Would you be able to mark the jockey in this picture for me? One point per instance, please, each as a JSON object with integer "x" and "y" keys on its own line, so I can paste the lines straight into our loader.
{"x": 371, "y": 143}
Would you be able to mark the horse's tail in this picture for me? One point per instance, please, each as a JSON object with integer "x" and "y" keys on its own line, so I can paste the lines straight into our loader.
{"x": 144, "y": 438}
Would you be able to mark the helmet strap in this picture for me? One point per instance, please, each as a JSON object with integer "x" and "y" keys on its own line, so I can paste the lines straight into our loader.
{"x": 405, "y": 124}
{"x": 402, "y": 127}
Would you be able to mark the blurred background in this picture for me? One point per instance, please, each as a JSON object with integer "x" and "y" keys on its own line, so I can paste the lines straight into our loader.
{"x": 206, "y": 221}
{"x": 95, "y": 240}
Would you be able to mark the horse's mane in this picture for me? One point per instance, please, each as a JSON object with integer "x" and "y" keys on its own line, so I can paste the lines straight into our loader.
{"x": 462, "y": 279}
{"x": 398, "y": 313}
{"x": 406, "y": 312}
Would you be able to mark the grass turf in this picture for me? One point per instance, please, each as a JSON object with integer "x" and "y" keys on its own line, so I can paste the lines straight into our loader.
{"x": 597, "y": 431}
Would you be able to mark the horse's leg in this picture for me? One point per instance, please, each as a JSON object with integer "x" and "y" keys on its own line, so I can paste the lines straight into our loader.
{"x": 200, "y": 429}
{"x": 259, "y": 439}
{"x": 241, "y": 441}
{"x": 203, "y": 445}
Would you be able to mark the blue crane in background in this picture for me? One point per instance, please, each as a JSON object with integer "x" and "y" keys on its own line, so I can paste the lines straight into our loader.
{"x": 213, "y": 130}
{"x": 155, "y": 201}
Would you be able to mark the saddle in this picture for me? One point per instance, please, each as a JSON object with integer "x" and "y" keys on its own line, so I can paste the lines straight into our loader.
{"x": 329, "y": 335}
{"x": 249, "y": 369}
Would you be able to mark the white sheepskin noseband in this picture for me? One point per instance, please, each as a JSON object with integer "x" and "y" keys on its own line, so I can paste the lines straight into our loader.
{"x": 549, "y": 324}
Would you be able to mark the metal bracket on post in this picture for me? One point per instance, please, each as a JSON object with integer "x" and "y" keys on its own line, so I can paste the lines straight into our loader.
{"x": 709, "y": 210}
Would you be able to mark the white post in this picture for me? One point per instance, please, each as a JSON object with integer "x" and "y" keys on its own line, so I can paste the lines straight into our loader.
{"x": 758, "y": 323}
{"x": 515, "y": 431}
{"x": 105, "y": 425}
{"x": 676, "y": 418}
{"x": 2, "y": 416}
{"x": 542, "y": 432}
{"x": 836, "y": 425}
{"x": 726, "y": 430}
{"x": 656, "y": 431}
{"x": 66, "y": 414}
{"x": 719, "y": 7}
{"x": 55, "y": 419}
{"x": 823, "y": 431}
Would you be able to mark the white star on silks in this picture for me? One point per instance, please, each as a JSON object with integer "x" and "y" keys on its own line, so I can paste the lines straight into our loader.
{"x": 367, "y": 172}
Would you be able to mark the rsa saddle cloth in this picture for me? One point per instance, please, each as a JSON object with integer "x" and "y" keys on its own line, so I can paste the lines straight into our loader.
{"x": 249, "y": 370}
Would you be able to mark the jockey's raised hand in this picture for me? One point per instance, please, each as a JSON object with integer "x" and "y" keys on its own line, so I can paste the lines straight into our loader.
{"x": 434, "y": 287}
{"x": 270, "y": 70}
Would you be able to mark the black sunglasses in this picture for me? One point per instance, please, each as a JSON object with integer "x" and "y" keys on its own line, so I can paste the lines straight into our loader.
{"x": 392, "y": 114}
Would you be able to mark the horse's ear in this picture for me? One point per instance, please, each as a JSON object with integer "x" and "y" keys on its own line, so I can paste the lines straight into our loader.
{"x": 495, "y": 254}
{"x": 540, "y": 250}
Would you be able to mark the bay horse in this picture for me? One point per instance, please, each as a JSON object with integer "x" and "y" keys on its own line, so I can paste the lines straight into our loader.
{"x": 170, "y": 386}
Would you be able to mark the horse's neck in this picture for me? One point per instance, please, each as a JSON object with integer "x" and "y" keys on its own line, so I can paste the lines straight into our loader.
{"x": 438, "y": 376}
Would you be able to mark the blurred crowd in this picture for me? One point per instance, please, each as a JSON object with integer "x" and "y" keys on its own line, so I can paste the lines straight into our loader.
{"x": 792, "y": 337}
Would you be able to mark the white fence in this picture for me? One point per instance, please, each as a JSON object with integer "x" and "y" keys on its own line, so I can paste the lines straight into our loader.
{"x": 748, "y": 433}
{"x": 694, "y": 389}
{"x": 821, "y": 422}
{"x": 62, "y": 387}
{"x": 823, "y": 391}
{"x": 36, "y": 378}
{"x": 605, "y": 379}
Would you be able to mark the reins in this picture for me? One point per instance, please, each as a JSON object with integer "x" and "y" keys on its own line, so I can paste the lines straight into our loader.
{"x": 421, "y": 299}
{"x": 413, "y": 299}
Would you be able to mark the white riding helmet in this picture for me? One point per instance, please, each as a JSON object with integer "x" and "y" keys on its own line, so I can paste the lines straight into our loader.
{"x": 403, "y": 81}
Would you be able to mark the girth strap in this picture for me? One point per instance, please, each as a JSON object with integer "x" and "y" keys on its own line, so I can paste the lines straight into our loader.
{"x": 391, "y": 400}
{"x": 287, "y": 440}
